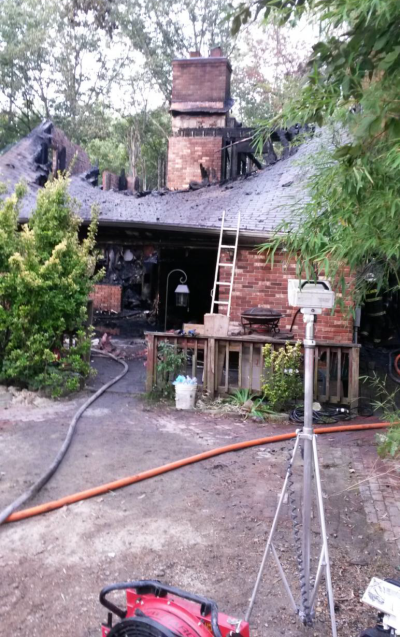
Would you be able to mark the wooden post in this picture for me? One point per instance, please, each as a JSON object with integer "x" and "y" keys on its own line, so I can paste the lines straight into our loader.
{"x": 251, "y": 366}
{"x": 227, "y": 367}
{"x": 150, "y": 365}
{"x": 240, "y": 365}
{"x": 234, "y": 160}
{"x": 194, "y": 360}
{"x": 354, "y": 377}
{"x": 339, "y": 375}
{"x": 210, "y": 384}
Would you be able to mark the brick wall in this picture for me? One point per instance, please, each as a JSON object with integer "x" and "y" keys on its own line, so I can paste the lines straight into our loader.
{"x": 198, "y": 121}
{"x": 185, "y": 154}
{"x": 110, "y": 181}
{"x": 72, "y": 151}
{"x": 107, "y": 297}
{"x": 259, "y": 284}
{"x": 200, "y": 80}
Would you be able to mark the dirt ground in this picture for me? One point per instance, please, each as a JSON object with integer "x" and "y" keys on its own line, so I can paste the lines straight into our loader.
{"x": 202, "y": 528}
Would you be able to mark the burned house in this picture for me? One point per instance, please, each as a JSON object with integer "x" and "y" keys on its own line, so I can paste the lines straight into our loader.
{"x": 212, "y": 167}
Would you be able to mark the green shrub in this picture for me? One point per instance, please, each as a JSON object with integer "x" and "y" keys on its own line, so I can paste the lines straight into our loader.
{"x": 46, "y": 275}
{"x": 388, "y": 442}
{"x": 282, "y": 381}
{"x": 170, "y": 364}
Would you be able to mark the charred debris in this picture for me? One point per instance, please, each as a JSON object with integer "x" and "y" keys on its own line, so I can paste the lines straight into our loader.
{"x": 134, "y": 270}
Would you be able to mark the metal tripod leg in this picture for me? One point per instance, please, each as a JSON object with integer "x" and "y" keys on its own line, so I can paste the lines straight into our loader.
{"x": 318, "y": 577}
{"x": 284, "y": 580}
{"x": 323, "y": 565}
{"x": 271, "y": 536}
{"x": 324, "y": 552}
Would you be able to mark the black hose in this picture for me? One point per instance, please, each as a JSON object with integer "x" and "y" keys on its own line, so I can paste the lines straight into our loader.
{"x": 294, "y": 319}
{"x": 35, "y": 488}
{"x": 326, "y": 416}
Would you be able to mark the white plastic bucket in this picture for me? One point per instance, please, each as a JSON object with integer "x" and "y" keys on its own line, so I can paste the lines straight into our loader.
{"x": 185, "y": 395}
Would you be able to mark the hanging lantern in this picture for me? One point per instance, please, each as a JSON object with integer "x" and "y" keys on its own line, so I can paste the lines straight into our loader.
{"x": 182, "y": 295}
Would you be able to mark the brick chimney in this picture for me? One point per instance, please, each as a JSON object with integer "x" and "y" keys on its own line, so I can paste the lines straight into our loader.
{"x": 201, "y": 101}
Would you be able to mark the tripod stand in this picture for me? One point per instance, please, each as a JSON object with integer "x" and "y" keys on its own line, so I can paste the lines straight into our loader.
{"x": 307, "y": 439}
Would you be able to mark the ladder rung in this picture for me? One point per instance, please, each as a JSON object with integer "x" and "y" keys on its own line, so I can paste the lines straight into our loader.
{"x": 233, "y": 258}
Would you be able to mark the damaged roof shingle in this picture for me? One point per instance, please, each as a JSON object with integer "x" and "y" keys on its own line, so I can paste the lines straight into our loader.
{"x": 264, "y": 200}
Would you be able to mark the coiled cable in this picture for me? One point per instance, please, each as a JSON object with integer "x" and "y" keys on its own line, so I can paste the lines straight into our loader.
{"x": 326, "y": 416}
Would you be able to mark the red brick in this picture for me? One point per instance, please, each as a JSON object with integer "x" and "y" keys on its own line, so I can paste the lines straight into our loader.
{"x": 257, "y": 284}
{"x": 200, "y": 150}
{"x": 107, "y": 297}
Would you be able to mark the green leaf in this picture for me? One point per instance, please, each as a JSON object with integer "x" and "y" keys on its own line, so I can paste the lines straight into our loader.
{"x": 343, "y": 151}
{"x": 346, "y": 84}
{"x": 389, "y": 59}
{"x": 370, "y": 125}
{"x": 236, "y": 24}
{"x": 381, "y": 42}
{"x": 393, "y": 128}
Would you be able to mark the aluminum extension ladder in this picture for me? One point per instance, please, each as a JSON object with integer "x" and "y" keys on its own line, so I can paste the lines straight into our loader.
{"x": 226, "y": 247}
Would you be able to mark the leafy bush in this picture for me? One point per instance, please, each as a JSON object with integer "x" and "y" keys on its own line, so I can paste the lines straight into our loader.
{"x": 389, "y": 442}
{"x": 282, "y": 382}
{"x": 170, "y": 364}
{"x": 46, "y": 275}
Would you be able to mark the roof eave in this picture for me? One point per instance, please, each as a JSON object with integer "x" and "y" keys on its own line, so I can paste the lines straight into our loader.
{"x": 244, "y": 234}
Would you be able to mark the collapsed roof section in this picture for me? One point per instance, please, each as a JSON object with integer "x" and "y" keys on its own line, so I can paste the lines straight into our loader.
{"x": 265, "y": 198}
{"x": 27, "y": 160}
{"x": 45, "y": 151}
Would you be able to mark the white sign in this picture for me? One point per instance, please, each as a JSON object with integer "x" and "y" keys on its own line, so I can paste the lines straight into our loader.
{"x": 310, "y": 295}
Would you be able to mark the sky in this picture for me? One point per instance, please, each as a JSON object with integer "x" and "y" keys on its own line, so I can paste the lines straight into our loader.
{"x": 128, "y": 96}
{"x": 302, "y": 37}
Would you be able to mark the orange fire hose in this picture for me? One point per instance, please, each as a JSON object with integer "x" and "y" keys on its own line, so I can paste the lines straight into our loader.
{"x": 151, "y": 473}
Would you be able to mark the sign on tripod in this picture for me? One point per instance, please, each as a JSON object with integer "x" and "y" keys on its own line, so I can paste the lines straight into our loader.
{"x": 312, "y": 296}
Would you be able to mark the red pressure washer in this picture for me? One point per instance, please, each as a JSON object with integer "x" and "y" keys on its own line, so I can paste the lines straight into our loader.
{"x": 156, "y": 610}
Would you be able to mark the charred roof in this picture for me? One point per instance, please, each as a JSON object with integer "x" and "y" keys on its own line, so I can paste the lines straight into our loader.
{"x": 264, "y": 198}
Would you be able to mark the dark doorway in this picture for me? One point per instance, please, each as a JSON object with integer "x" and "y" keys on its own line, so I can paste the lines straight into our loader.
{"x": 199, "y": 265}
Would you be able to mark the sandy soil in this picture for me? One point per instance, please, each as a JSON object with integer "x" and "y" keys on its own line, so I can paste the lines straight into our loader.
{"x": 202, "y": 528}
